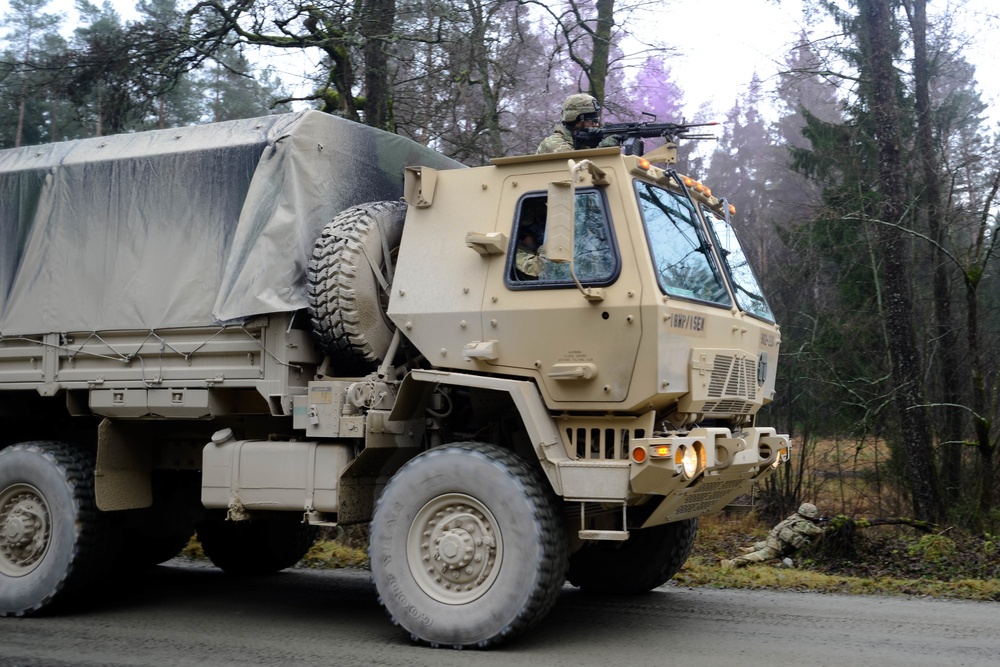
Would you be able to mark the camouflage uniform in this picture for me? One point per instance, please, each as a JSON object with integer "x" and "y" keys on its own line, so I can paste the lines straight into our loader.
{"x": 559, "y": 141}
{"x": 574, "y": 109}
{"x": 790, "y": 535}
{"x": 529, "y": 263}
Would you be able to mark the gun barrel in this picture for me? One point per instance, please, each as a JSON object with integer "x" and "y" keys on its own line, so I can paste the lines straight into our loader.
{"x": 591, "y": 137}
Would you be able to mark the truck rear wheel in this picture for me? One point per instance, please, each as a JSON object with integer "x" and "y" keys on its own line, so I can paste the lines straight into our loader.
{"x": 50, "y": 546}
{"x": 259, "y": 546}
{"x": 467, "y": 546}
{"x": 348, "y": 284}
{"x": 647, "y": 559}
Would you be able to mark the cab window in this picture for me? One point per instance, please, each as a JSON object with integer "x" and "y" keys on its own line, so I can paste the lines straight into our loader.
{"x": 595, "y": 257}
{"x": 682, "y": 252}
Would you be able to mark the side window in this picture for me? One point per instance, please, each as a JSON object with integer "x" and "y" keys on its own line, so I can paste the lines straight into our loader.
{"x": 595, "y": 257}
{"x": 746, "y": 287}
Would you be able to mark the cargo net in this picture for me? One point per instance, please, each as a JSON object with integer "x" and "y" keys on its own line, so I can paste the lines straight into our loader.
{"x": 150, "y": 357}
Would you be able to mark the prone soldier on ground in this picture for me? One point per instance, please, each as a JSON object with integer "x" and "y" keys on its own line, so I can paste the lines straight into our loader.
{"x": 785, "y": 538}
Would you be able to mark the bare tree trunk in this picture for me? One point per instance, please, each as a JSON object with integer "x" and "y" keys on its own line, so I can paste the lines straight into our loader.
{"x": 946, "y": 336}
{"x": 982, "y": 410}
{"x": 24, "y": 93}
{"x": 982, "y": 420}
{"x": 602, "y": 49}
{"x": 878, "y": 40}
{"x": 20, "y": 123}
{"x": 376, "y": 27}
{"x": 54, "y": 125}
{"x": 479, "y": 57}
{"x": 100, "y": 112}
{"x": 217, "y": 94}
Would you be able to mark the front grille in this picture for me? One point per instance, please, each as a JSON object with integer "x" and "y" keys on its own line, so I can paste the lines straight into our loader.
{"x": 601, "y": 443}
{"x": 603, "y": 438}
{"x": 728, "y": 407}
{"x": 733, "y": 376}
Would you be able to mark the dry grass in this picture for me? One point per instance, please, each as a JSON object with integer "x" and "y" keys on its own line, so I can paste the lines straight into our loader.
{"x": 887, "y": 560}
{"x": 330, "y": 554}
{"x": 333, "y": 550}
{"x": 696, "y": 573}
{"x": 848, "y": 477}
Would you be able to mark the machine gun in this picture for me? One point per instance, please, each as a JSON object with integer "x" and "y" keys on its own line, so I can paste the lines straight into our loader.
{"x": 630, "y": 136}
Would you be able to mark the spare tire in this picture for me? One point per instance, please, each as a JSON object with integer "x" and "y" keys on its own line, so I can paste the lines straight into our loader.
{"x": 348, "y": 284}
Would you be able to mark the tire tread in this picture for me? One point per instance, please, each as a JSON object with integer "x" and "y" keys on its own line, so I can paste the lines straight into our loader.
{"x": 551, "y": 529}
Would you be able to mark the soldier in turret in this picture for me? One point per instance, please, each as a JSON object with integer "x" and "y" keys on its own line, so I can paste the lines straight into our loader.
{"x": 787, "y": 537}
{"x": 579, "y": 112}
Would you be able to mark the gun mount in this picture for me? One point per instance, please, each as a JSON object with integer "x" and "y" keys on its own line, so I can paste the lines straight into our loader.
{"x": 631, "y": 135}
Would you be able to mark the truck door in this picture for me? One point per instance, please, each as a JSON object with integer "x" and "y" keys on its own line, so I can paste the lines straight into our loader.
{"x": 582, "y": 349}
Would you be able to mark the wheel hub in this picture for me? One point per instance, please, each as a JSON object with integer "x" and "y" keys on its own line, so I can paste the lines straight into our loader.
{"x": 24, "y": 530}
{"x": 454, "y": 549}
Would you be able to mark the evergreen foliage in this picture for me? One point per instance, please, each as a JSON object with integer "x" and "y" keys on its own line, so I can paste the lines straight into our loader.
{"x": 865, "y": 178}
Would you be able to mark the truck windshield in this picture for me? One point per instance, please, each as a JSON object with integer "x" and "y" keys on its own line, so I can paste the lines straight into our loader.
{"x": 681, "y": 251}
{"x": 749, "y": 295}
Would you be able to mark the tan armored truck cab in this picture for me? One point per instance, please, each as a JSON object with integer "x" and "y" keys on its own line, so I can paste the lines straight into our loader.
{"x": 541, "y": 369}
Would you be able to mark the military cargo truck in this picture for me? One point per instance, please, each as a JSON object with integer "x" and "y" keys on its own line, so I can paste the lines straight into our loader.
{"x": 538, "y": 370}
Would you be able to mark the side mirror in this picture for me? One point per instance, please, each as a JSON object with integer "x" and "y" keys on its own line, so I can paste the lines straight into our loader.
{"x": 559, "y": 222}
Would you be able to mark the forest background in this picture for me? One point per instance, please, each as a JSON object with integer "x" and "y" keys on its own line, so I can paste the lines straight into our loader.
{"x": 865, "y": 175}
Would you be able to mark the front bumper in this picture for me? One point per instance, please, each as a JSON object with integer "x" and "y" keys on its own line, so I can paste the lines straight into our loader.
{"x": 720, "y": 466}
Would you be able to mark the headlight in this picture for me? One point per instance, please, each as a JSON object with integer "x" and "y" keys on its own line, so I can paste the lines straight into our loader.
{"x": 691, "y": 458}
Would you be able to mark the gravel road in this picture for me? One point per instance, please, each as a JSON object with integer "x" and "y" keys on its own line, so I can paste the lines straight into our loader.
{"x": 185, "y": 614}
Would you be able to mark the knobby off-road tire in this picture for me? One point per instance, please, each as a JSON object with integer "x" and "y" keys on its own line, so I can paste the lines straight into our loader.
{"x": 647, "y": 559}
{"x": 259, "y": 546}
{"x": 146, "y": 550}
{"x": 53, "y": 540}
{"x": 467, "y": 546}
{"x": 156, "y": 534}
{"x": 347, "y": 302}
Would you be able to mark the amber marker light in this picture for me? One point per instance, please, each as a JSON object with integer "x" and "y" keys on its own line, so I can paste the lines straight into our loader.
{"x": 780, "y": 458}
{"x": 688, "y": 181}
{"x": 639, "y": 454}
{"x": 732, "y": 210}
{"x": 708, "y": 191}
{"x": 644, "y": 163}
{"x": 661, "y": 451}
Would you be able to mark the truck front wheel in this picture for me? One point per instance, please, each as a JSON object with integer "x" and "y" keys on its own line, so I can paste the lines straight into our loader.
{"x": 467, "y": 547}
{"x": 49, "y": 524}
{"x": 647, "y": 559}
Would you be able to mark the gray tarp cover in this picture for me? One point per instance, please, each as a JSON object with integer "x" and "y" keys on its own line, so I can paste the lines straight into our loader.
{"x": 182, "y": 227}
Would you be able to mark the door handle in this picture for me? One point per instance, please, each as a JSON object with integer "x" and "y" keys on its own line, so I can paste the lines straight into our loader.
{"x": 584, "y": 371}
